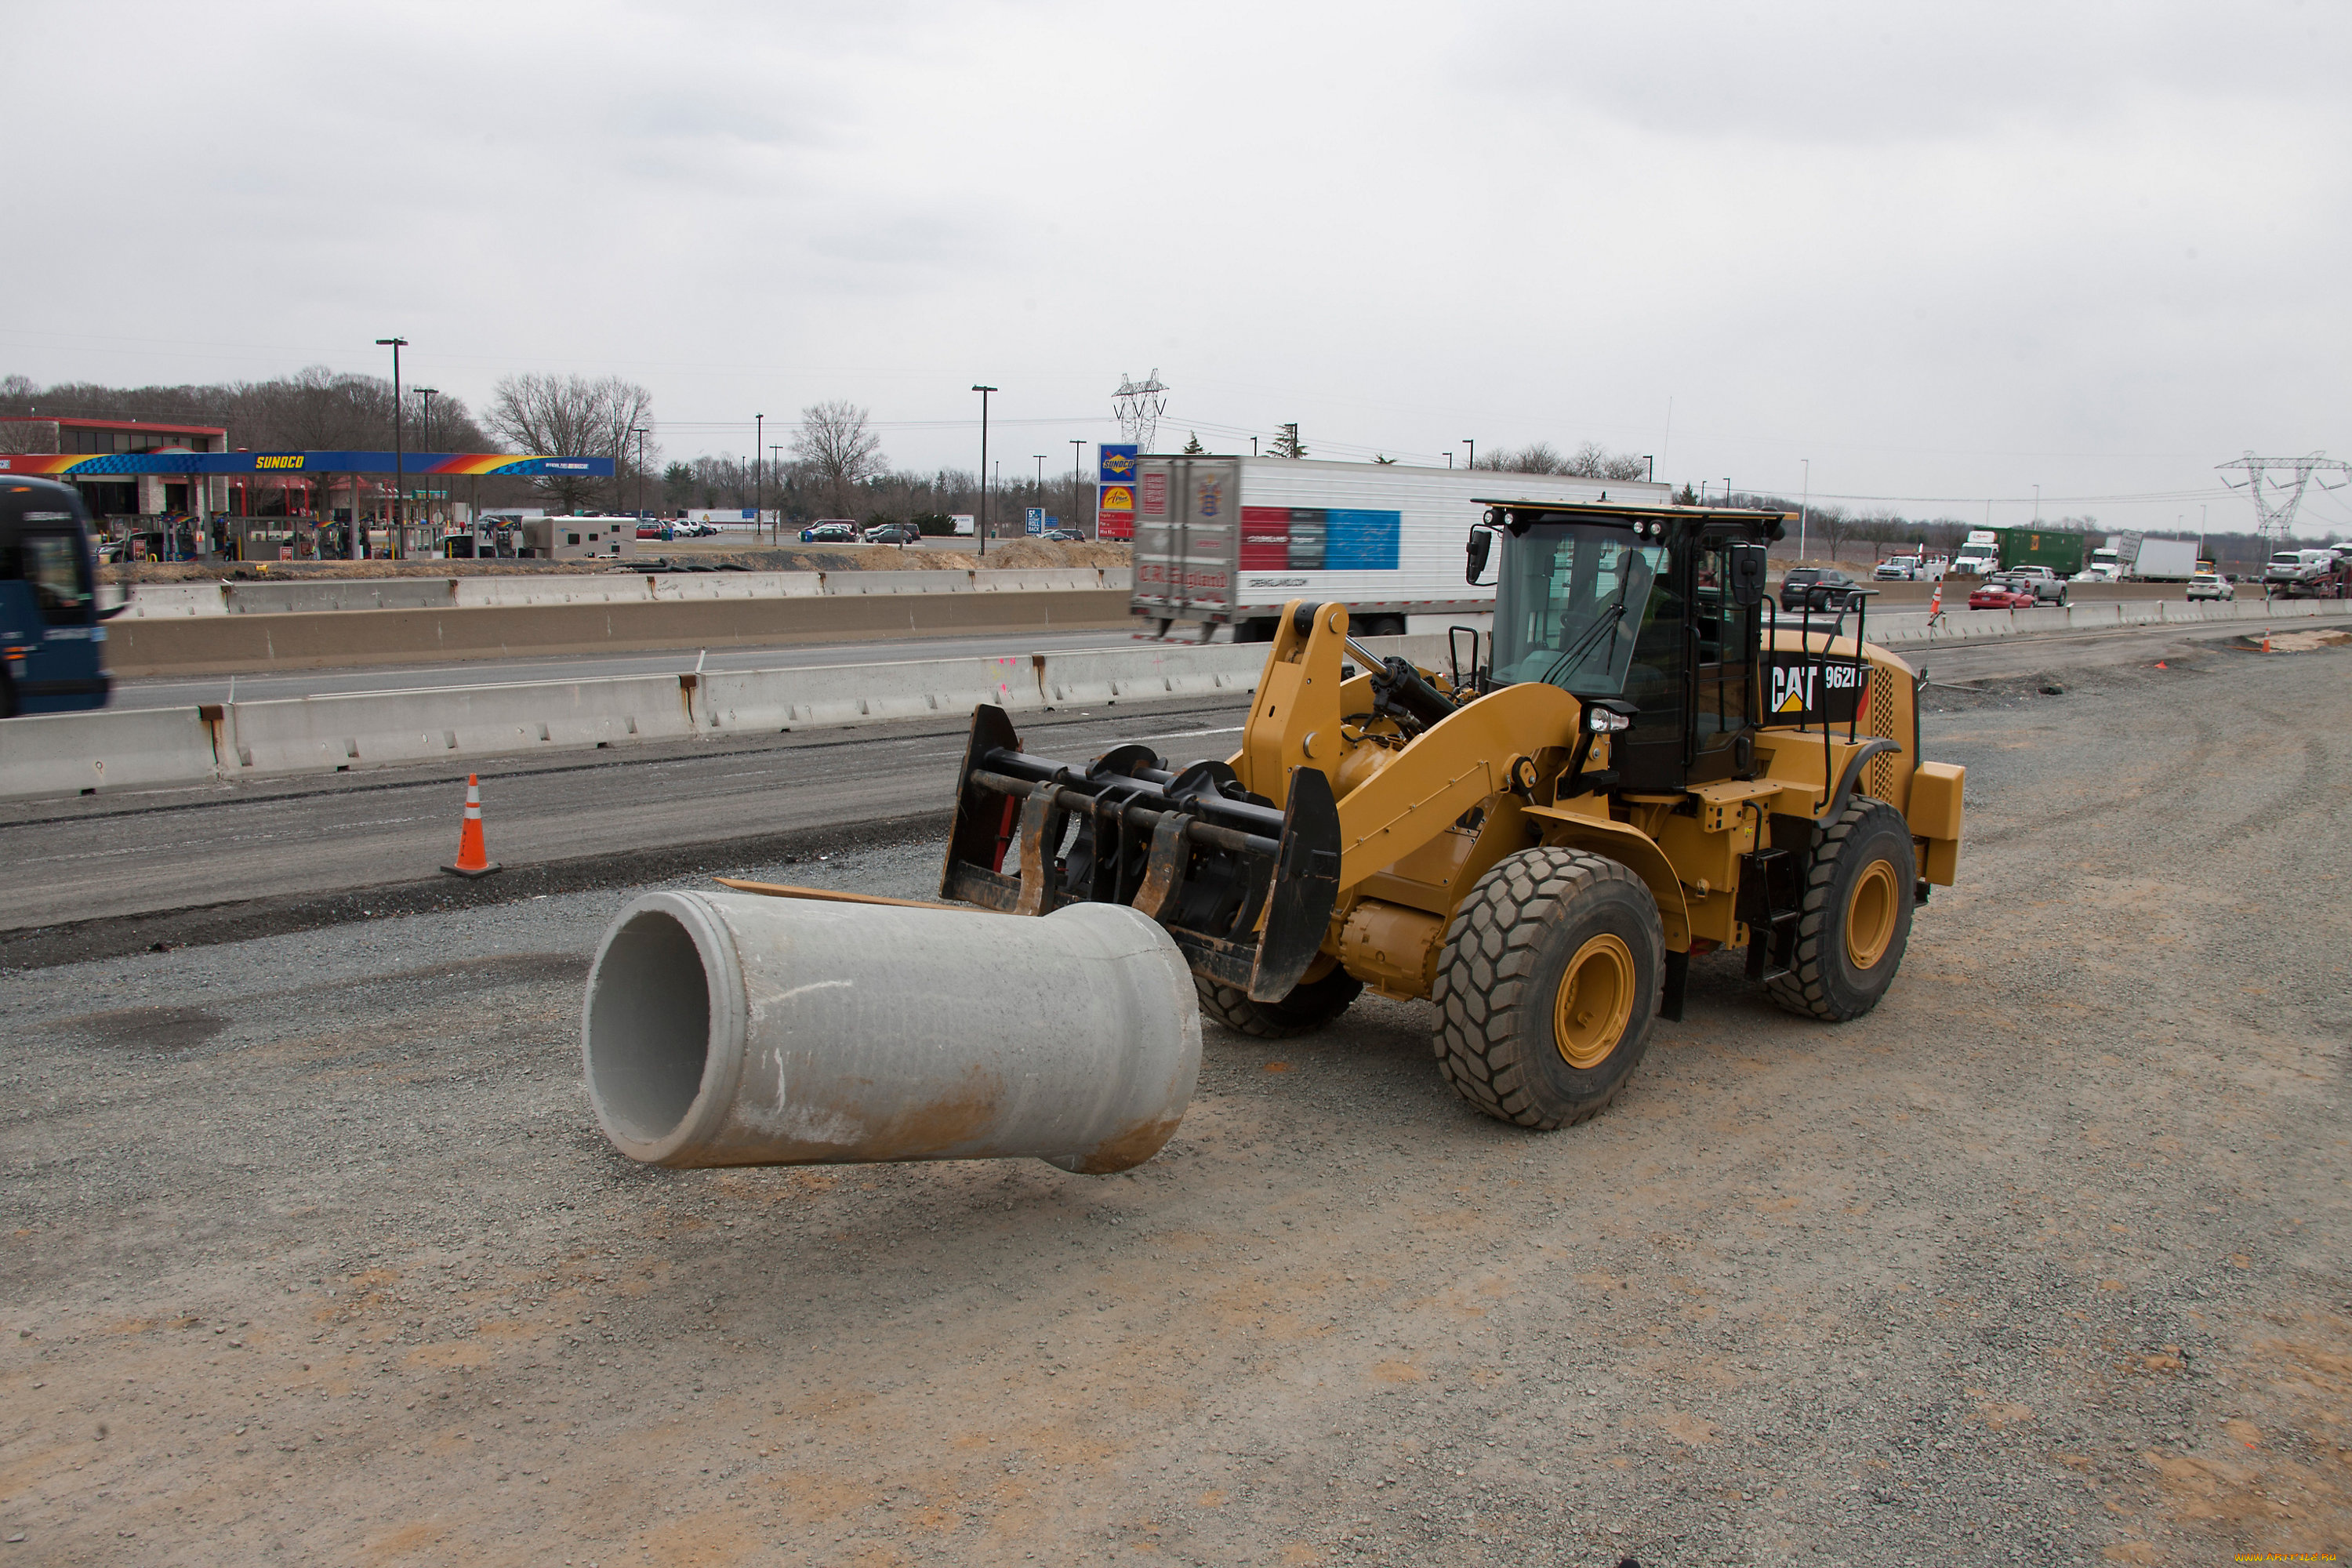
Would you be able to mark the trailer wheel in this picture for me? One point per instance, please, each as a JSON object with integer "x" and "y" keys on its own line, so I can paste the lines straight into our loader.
{"x": 1857, "y": 915}
{"x": 1547, "y": 987}
{"x": 1310, "y": 1005}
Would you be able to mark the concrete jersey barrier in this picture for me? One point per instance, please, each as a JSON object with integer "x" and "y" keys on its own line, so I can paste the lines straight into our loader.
{"x": 151, "y": 601}
{"x": 130, "y": 748}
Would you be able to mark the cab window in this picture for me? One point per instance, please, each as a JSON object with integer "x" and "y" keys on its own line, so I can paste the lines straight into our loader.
{"x": 54, "y": 567}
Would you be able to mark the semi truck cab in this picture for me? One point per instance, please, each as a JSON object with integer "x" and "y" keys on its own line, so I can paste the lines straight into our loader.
{"x": 52, "y": 628}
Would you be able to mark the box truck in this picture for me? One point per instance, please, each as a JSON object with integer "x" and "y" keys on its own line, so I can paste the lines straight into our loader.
{"x": 1228, "y": 540}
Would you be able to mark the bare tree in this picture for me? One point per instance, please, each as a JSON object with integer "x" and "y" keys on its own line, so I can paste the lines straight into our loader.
{"x": 837, "y": 451}
{"x": 1591, "y": 460}
{"x": 1538, "y": 457}
{"x": 29, "y": 436}
{"x": 572, "y": 416}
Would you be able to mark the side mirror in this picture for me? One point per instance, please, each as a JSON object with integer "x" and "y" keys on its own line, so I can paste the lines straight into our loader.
{"x": 1748, "y": 576}
{"x": 1482, "y": 545}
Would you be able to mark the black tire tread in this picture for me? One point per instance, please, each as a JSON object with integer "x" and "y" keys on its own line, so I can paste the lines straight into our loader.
{"x": 1802, "y": 990}
{"x": 1484, "y": 968}
{"x": 1232, "y": 1006}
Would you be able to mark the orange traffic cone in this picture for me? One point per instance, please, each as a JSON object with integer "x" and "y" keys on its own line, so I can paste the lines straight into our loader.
{"x": 472, "y": 860}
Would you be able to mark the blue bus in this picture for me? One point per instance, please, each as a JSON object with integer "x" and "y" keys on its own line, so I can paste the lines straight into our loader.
{"x": 50, "y": 624}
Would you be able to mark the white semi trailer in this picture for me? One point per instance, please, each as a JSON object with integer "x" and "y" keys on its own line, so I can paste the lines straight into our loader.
{"x": 2162, "y": 561}
{"x": 1224, "y": 541}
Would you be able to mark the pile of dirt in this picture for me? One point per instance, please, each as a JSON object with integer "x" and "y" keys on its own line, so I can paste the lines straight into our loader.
{"x": 2294, "y": 642}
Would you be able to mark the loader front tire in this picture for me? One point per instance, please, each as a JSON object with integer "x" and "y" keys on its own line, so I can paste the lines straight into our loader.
{"x": 1547, "y": 987}
{"x": 1310, "y": 1005}
{"x": 1857, "y": 915}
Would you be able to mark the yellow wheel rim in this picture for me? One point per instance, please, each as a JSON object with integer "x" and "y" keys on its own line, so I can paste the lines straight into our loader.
{"x": 1870, "y": 915}
{"x": 1596, "y": 999}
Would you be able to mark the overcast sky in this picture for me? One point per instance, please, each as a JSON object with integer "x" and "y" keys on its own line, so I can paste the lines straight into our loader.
{"x": 1945, "y": 253}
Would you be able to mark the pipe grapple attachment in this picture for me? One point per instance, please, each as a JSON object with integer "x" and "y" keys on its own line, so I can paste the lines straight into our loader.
{"x": 1244, "y": 886}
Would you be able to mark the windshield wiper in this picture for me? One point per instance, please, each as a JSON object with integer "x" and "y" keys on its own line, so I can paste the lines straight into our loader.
{"x": 1568, "y": 660}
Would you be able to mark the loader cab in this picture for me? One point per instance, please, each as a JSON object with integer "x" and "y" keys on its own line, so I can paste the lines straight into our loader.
{"x": 1655, "y": 607}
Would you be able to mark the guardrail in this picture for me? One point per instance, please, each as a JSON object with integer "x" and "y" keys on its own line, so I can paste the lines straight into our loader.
{"x": 108, "y": 751}
{"x": 163, "y": 601}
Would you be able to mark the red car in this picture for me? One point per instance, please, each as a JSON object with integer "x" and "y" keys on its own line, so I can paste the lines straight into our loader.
{"x": 1996, "y": 594}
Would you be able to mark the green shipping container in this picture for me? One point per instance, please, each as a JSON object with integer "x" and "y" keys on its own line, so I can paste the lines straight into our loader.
{"x": 2061, "y": 551}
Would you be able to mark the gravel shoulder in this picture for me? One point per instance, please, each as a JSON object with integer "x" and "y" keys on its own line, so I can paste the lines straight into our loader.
{"x": 313, "y": 1251}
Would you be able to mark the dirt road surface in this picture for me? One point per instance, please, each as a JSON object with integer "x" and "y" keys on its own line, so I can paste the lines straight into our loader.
{"x": 314, "y": 1253}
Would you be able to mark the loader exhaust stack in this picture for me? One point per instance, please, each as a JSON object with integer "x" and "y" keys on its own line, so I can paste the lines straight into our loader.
{"x": 726, "y": 1029}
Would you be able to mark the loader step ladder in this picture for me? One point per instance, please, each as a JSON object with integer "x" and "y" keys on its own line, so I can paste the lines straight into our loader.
{"x": 1770, "y": 903}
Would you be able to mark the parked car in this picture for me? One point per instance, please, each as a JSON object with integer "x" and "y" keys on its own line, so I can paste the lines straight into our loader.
{"x": 2046, "y": 586}
{"x": 1063, "y": 535}
{"x": 1816, "y": 587}
{"x": 894, "y": 533}
{"x": 2211, "y": 586}
{"x": 653, "y": 531}
{"x": 2000, "y": 594}
{"x": 829, "y": 533}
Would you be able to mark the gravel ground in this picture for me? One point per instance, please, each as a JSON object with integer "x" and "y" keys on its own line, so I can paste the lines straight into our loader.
{"x": 314, "y": 1252}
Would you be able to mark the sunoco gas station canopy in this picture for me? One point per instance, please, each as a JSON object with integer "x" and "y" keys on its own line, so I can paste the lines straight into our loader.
{"x": 460, "y": 465}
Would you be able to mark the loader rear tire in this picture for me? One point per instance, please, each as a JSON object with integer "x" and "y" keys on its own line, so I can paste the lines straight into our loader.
{"x": 1857, "y": 915}
{"x": 1310, "y": 1005}
{"x": 1547, "y": 987}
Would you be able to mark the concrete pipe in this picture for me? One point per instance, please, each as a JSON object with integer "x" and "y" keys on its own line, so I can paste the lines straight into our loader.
{"x": 734, "y": 1030}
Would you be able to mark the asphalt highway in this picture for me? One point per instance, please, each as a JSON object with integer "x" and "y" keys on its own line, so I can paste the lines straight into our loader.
{"x": 186, "y": 691}
{"x": 168, "y": 850}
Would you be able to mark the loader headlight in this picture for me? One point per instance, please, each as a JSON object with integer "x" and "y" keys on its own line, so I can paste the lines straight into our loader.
{"x": 1601, "y": 721}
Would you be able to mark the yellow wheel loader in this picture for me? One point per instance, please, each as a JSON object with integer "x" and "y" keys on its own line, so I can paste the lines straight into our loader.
{"x": 1649, "y": 758}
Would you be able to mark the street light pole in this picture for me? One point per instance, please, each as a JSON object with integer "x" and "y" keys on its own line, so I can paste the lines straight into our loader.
{"x": 1041, "y": 484}
{"x": 2037, "y": 503}
{"x": 775, "y": 461}
{"x": 758, "y": 491}
{"x": 982, "y": 529}
{"x": 395, "y": 345}
{"x": 639, "y": 432}
{"x": 1078, "y": 460}
{"x": 1804, "y": 508}
{"x": 1474, "y": 450}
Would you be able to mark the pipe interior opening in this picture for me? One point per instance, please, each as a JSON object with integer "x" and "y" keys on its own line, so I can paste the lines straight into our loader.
{"x": 649, "y": 1026}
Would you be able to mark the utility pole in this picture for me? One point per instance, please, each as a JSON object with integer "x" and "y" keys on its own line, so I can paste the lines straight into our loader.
{"x": 393, "y": 533}
{"x": 758, "y": 493}
{"x": 1077, "y": 460}
{"x": 982, "y": 529}
{"x": 639, "y": 432}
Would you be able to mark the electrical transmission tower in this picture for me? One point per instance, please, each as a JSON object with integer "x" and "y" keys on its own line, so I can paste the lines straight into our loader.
{"x": 1138, "y": 406}
{"x": 2274, "y": 508}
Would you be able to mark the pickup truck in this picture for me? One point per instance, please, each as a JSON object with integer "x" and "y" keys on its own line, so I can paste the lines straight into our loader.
{"x": 2046, "y": 586}
{"x": 1897, "y": 569}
